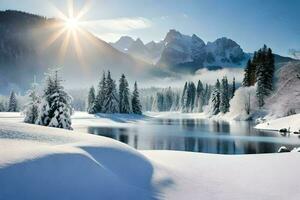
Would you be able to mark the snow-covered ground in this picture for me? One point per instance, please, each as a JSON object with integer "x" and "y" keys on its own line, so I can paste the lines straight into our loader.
{"x": 175, "y": 115}
{"x": 47, "y": 163}
{"x": 291, "y": 122}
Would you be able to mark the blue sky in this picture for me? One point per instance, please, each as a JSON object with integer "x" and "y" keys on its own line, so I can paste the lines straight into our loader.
{"x": 251, "y": 23}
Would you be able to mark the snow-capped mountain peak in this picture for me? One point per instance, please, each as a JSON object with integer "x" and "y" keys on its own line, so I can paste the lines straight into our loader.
{"x": 178, "y": 50}
{"x": 123, "y": 43}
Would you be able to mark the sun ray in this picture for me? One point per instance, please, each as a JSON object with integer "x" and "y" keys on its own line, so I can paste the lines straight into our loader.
{"x": 70, "y": 26}
{"x": 64, "y": 46}
{"x": 53, "y": 38}
{"x": 86, "y": 7}
{"x": 78, "y": 49}
{"x": 70, "y": 9}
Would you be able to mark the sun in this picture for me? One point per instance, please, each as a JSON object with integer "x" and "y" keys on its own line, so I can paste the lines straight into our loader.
{"x": 71, "y": 28}
{"x": 72, "y": 23}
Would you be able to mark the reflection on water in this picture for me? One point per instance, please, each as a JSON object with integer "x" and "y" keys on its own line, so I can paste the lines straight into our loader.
{"x": 197, "y": 135}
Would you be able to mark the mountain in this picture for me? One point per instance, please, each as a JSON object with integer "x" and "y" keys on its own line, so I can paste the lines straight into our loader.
{"x": 179, "y": 52}
{"x": 184, "y": 53}
{"x": 30, "y": 44}
{"x": 149, "y": 52}
{"x": 190, "y": 53}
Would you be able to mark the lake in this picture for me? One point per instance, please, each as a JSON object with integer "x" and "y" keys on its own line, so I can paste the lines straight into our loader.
{"x": 197, "y": 135}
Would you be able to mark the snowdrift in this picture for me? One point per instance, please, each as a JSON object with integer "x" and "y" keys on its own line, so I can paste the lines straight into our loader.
{"x": 48, "y": 163}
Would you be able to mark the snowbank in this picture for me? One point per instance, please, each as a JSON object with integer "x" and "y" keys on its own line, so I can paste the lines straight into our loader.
{"x": 38, "y": 162}
{"x": 48, "y": 163}
{"x": 291, "y": 122}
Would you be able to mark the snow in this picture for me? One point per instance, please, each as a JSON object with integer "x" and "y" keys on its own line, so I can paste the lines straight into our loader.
{"x": 175, "y": 115}
{"x": 291, "y": 122}
{"x": 286, "y": 98}
{"x": 49, "y": 163}
{"x": 105, "y": 120}
{"x": 208, "y": 176}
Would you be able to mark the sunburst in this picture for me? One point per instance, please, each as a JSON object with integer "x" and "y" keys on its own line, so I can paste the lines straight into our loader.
{"x": 71, "y": 28}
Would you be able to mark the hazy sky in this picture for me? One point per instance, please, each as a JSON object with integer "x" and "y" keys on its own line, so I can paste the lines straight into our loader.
{"x": 251, "y": 23}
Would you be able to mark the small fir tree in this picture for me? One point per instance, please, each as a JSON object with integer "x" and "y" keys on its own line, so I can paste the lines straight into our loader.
{"x": 124, "y": 103}
{"x": 111, "y": 104}
{"x": 224, "y": 96}
{"x": 31, "y": 110}
{"x": 199, "y": 97}
{"x": 215, "y": 99}
{"x": 91, "y": 101}
{"x": 55, "y": 109}
{"x": 100, "y": 98}
{"x": 233, "y": 88}
{"x": 12, "y": 103}
{"x": 135, "y": 102}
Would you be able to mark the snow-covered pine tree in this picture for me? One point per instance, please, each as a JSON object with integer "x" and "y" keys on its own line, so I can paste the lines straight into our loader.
{"x": 191, "y": 94}
{"x": 101, "y": 95}
{"x": 199, "y": 97}
{"x": 224, "y": 96}
{"x": 91, "y": 101}
{"x": 135, "y": 102}
{"x": 111, "y": 104}
{"x": 124, "y": 103}
{"x": 12, "y": 102}
{"x": 184, "y": 98}
{"x": 233, "y": 88}
{"x": 168, "y": 99}
{"x": 31, "y": 110}
{"x": 55, "y": 109}
{"x": 215, "y": 99}
{"x": 176, "y": 102}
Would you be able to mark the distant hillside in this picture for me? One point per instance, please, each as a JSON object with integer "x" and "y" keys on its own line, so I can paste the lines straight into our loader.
{"x": 24, "y": 53}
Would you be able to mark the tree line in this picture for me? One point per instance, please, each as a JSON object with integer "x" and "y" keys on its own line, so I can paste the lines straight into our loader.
{"x": 108, "y": 100}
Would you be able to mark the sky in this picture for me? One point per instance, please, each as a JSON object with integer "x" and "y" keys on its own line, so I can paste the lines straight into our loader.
{"x": 251, "y": 23}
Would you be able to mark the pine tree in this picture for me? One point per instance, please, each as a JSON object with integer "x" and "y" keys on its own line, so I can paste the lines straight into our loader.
{"x": 135, "y": 102}
{"x": 12, "y": 103}
{"x": 252, "y": 69}
{"x": 207, "y": 93}
{"x": 168, "y": 99}
{"x": 31, "y": 110}
{"x": 270, "y": 69}
{"x": 2, "y": 106}
{"x": 233, "y": 88}
{"x": 191, "y": 93}
{"x": 247, "y": 74}
{"x": 111, "y": 104}
{"x": 224, "y": 96}
{"x": 55, "y": 109}
{"x": 124, "y": 103}
{"x": 91, "y": 100}
{"x": 215, "y": 99}
{"x": 184, "y": 97}
{"x": 199, "y": 97}
{"x": 264, "y": 74}
{"x": 100, "y": 98}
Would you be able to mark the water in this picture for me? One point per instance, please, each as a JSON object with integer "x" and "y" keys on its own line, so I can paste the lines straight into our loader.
{"x": 197, "y": 135}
